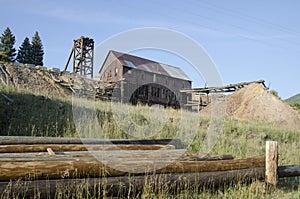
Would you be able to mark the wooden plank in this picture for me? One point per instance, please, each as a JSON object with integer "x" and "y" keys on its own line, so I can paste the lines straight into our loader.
{"x": 50, "y": 151}
{"x": 271, "y": 163}
{"x": 126, "y": 186}
{"x": 94, "y": 168}
{"x": 7, "y": 140}
{"x": 25, "y": 148}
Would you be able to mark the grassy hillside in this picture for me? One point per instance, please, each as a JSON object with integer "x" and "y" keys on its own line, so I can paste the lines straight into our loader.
{"x": 294, "y": 99}
{"x": 22, "y": 113}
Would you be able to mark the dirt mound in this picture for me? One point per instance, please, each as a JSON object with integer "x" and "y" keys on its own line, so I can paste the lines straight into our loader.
{"x": 256, "y": 103}
{"x": 46, "y": 82}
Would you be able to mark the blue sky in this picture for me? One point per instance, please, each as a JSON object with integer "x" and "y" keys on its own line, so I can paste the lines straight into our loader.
{"x": 247, "y": 40}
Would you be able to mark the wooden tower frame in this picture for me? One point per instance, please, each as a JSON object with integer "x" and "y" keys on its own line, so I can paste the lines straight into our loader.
{"x": 83, "y": 56}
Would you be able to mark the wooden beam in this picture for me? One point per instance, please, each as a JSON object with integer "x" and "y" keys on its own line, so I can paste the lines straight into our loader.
{"x": 271, "y": 163}
{"x": 93, "y": 168}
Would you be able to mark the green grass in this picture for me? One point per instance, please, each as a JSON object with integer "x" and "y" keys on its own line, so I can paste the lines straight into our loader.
{"x": 34, "y": 115}
{"x": 294, "y": 99}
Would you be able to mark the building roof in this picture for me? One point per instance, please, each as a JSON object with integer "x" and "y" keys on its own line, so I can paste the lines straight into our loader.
{"x": 149, "y": 65}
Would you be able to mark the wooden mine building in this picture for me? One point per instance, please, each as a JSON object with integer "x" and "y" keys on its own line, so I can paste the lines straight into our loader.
{"x": 132, "y": 79}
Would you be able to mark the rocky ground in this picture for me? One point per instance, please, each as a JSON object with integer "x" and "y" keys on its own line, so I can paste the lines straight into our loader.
{"x": 46, "y": 82}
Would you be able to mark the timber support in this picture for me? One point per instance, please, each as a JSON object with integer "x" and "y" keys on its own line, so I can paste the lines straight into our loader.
{"x": 200, "y": 97}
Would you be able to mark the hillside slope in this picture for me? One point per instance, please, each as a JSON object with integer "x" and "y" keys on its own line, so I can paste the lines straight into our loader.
{"x": 45, "y": 82}
{"x": 294, "y": 99}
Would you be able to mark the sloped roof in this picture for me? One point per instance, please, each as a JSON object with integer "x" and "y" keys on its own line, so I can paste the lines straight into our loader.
{"x": 149, "y": 65}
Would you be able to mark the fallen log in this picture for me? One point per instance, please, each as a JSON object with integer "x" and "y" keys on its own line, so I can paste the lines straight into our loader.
{"x": 134, "y": 185}
{"x": 140, "y": 155}
{"x": 8, "y": 140}
{"x": 288, "y": 171}
{"x": 78, "y": 168}
{"x": 172, "y": 153}
{"x": 103, "y": 153}
{"x": 25, "y": 148}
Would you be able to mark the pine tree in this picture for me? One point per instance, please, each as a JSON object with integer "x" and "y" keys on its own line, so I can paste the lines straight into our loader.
{"x": 37, "y": 50}
{"x": 24, "y": 55}
{"x": 7, "y": 42}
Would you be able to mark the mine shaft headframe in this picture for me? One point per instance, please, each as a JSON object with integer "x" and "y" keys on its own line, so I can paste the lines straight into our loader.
{"x": 83, "y": 56}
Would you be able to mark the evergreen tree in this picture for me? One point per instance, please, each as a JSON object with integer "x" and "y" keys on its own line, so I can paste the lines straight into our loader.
{"x": 7, "y": 42}
{"x": 3, "y": 56}
{"x": 24, "y": 55}
{"x": 37, "y": 50}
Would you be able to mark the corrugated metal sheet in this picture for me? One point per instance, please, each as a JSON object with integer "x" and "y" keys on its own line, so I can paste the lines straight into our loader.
{"x": 175, "y": 72}
{"x": 129, "y": 63}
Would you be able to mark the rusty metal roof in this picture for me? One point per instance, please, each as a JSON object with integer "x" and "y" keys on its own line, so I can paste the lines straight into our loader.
{"x": 150, "y": 66}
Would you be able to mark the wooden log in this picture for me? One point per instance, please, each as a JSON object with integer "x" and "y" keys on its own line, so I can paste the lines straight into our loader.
{"x": 288, "y": 171}
{"x": 271, "y": 163}
{"x": 134, "y": 185}
{"x": 24, "y": 148}
{"x": 103, "y": 153}
{"x": 123, "y": 185}
{"x": 6, "y": 140}
{"x": 180, "y": 154}
{"x": 141, "y": 155}
{"x": 94, "y": 168}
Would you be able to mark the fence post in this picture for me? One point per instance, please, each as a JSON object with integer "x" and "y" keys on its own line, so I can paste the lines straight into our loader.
{"x": 271, "y": 163}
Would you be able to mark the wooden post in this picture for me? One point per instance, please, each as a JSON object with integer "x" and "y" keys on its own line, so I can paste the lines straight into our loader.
{"x": 271, "y": 163}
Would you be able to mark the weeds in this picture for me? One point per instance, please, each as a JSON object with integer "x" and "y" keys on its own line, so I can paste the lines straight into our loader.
{"x": 34, "y": 115}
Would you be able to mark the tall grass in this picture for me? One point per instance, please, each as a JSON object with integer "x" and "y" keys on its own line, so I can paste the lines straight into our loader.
{"x": 34, "y": 115}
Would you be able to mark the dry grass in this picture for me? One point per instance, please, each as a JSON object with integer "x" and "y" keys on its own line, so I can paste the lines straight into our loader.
{"x": 241, "y": 138}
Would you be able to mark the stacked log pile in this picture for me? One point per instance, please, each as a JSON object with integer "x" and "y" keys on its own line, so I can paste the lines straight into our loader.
{"x": 118, "y": 166}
